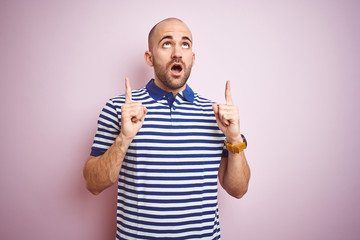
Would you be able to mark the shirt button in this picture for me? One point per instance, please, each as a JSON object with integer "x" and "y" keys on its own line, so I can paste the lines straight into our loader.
{"x": 174, "y": 108}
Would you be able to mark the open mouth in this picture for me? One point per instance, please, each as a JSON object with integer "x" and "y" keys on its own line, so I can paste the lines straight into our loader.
{"x": 176, "y": 68}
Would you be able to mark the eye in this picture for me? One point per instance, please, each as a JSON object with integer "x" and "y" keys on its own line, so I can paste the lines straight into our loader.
{"x": 185, "y": 45}
{"x": 166, "y": 45}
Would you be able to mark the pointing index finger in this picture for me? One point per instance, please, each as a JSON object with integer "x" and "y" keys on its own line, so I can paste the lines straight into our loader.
{"x": 128, "y": 95}
{"x": 228, "y": 98}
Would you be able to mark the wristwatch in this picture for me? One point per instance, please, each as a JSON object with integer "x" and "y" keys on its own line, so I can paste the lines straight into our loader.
{"x": 237, "y": 148}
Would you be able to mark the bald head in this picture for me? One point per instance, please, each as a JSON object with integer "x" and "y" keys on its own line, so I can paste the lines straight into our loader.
{"x": 159, "y": 24}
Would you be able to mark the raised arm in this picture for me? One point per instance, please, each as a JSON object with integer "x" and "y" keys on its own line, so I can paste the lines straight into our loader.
{"x": 234, "y": 171}
{"x": 102, "y": 171}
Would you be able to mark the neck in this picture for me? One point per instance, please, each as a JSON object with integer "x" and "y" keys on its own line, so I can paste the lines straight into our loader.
{"x": 167, "y": 89}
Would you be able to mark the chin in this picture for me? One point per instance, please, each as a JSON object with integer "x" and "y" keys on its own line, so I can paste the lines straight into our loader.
{"x": 177, "y": 82}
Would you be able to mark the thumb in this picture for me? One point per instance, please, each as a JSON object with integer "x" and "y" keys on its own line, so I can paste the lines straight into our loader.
{"x": 215, "y": 107}
{"x": 145, "y": 110}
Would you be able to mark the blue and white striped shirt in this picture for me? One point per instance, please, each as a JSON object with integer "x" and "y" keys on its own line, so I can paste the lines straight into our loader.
{"x": 167, "y": 186}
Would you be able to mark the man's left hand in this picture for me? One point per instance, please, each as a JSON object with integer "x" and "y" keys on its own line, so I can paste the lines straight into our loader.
{"x": 227, "y": 118}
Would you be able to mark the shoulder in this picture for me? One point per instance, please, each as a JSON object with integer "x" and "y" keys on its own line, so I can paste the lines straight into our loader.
{"x": 202, "y": 101}
{"x": 137, "y": 95}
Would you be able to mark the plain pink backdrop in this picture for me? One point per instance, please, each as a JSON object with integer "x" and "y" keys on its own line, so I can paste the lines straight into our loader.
{"x": 294, "y": 68}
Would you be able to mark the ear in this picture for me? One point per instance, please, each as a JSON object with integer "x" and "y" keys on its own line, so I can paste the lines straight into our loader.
{"x": 148, "y": 58}
{"x": 193, "y": 63}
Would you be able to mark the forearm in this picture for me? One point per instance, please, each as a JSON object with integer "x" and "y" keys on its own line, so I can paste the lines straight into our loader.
{"x": 234, "y": 171}
{"x": 236, "y": 174}
{"x": 103, "y": 171}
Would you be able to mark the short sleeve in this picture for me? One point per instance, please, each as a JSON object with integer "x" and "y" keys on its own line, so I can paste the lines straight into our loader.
{"x": 107, "y": 130}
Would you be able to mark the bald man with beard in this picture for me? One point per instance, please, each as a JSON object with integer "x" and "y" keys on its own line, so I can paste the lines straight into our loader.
{"x": 166, "y": 147}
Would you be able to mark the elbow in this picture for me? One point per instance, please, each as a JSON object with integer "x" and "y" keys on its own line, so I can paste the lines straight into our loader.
{"x": 239, "y": 194}
{"x": 90, "y": 187}
{"x": 92, "y": 190}
{"x": 237, "y": 191}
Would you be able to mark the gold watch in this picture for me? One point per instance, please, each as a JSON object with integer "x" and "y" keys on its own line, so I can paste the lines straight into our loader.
{"x": 236, "y": 148}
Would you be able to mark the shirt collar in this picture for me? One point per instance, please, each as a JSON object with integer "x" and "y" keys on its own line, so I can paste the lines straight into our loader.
{"x": 157, "y": 93}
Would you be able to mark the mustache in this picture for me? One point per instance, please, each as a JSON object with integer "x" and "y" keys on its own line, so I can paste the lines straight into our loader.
{"x": 176, "y": 61}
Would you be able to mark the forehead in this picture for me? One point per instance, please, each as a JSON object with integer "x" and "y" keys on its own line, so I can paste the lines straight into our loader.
{"x": 172, "y": 28}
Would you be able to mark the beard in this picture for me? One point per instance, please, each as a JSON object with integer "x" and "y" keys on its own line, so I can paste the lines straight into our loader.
{"x": 163, "y": 73}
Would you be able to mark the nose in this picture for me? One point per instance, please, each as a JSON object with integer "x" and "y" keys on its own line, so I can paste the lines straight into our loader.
{"x": 177, "y": 52}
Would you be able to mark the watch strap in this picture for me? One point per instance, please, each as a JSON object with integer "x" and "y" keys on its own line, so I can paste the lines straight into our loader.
{"x": 236, "y": 148}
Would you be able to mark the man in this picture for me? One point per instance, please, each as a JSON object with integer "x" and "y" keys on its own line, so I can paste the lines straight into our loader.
{"x": 164, "y": 145}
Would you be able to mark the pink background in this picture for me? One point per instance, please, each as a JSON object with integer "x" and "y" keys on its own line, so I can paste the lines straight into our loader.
{"x": 295, "y": 72}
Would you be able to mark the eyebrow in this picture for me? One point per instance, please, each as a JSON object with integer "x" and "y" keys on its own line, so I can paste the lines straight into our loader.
{"x": 171, "y": 37}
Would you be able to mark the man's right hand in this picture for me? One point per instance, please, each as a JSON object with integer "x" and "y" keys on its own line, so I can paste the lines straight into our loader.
{"x": 132, "y": 114}
{"x": 102, "y": 171}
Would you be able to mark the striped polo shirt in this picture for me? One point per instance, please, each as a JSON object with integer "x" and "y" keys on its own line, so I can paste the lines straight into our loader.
{"x": 167, "y": 186}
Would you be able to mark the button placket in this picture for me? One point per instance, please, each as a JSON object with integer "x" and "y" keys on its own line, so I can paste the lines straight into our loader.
{"x": 174, "y": 107}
